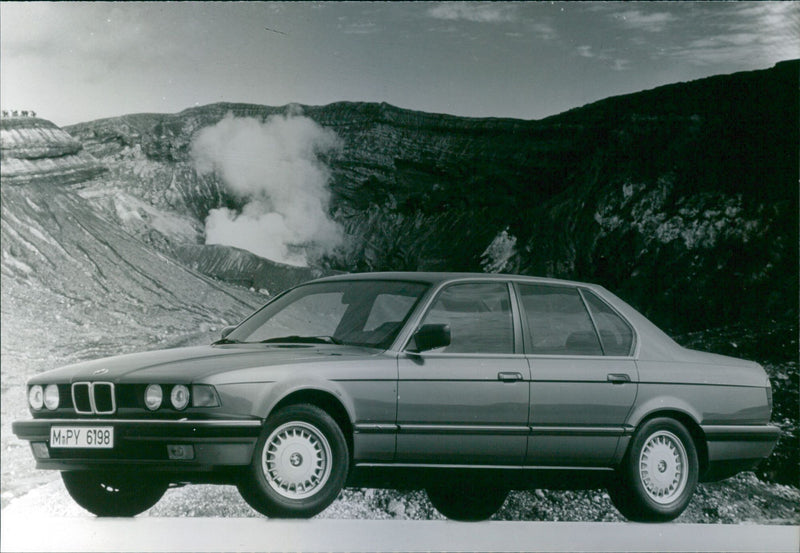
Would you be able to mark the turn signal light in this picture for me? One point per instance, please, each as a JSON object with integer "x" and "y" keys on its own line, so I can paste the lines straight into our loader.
{"x": 204, "y": 395}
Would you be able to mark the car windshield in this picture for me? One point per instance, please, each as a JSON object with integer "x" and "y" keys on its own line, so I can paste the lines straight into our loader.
{"x": 355, "y": 312}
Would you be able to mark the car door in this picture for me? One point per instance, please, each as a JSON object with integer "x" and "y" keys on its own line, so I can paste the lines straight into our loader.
{"x": 583, "y": 376}
{"x": 466, "y": 403}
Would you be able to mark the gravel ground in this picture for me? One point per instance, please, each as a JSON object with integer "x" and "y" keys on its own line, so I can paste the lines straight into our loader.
{"x": 742, "y": 499}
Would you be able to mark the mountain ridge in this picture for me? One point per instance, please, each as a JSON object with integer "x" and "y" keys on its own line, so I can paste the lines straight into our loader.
{"x": 607, "y": 192}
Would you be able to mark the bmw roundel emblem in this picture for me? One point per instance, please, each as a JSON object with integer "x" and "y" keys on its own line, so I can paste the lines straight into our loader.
{"x": 100, "y": 371}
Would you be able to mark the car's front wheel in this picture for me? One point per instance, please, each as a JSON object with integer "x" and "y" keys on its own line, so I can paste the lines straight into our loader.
{"x": 659, "y": 473}
{"x": 299, "y": 465}
{"x": 114, "y": 494}
{"x": 467, "y": 501}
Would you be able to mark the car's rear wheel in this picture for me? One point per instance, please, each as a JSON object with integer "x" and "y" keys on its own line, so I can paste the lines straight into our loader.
{"x": 468, "y": 501}
{"x": 114, "y": 494}
{"x": 658, "y": 476}
{"x": 299, "y": 465}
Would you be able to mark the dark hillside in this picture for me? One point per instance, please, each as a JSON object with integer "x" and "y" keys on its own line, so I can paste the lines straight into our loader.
{"x": 680, "y": 198}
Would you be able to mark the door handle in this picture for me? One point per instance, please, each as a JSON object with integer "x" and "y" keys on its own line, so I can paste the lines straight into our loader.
{"x": 509, "y": 376}
{"x": 619, "y": 378}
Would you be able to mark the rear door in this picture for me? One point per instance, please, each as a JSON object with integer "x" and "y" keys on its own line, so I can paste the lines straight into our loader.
{"x": 583, "y": 377}
{"x": 466, "y": 403}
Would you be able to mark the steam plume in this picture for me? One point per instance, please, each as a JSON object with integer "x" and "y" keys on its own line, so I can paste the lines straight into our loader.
{"x": 274, "y": 167}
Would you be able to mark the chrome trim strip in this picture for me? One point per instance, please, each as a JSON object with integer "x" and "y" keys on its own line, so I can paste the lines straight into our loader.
{"x": 723, "y": 433}
{"x": 576, "y": 431}
{"x": 243, "y": 422}
{"x": 491, "y": 467}
{"x": 463, "y": 429}
{"x": 375, "y": 428}
{"x": 450, "y": 430}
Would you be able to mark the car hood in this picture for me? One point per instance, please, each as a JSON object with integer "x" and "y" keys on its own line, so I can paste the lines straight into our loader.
{"x": 193, "y": 363}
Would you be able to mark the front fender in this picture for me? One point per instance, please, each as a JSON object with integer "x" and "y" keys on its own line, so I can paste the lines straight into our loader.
{"x": 277, "y": 392}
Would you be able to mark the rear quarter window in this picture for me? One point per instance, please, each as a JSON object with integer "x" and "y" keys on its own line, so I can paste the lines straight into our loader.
{"x": 615, "y": 333}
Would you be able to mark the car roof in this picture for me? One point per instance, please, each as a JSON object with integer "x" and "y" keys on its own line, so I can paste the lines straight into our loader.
{"x": 439, "y": 277}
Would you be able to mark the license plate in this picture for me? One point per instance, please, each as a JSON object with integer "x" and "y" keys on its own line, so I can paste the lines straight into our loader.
{"x": 91, "y": 437}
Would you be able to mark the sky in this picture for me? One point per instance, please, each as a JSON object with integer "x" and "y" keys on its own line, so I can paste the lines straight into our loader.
{"x": 73, "y": 62}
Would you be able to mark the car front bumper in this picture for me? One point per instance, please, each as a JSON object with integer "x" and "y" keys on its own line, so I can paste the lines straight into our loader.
{"x": 154, "y": 444}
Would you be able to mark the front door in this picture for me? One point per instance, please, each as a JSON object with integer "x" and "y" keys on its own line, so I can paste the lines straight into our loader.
{"x": 466, "y": 403}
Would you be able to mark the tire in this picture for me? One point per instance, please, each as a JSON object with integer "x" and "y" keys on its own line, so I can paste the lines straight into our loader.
{"x": 114, "y": 494}
{"x": 659, "y": 473}
{"x": 468, "y": 502}
{"x": 299, "y": 465}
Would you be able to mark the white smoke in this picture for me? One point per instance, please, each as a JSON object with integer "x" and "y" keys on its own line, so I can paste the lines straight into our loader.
{"x": 274, "y": 167}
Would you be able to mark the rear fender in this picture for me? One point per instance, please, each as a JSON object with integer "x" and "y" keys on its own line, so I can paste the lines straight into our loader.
{"x": 662, "y": 403}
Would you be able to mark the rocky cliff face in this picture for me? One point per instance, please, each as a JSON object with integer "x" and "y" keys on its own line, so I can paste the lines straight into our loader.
{"x": 70, "y": 270}
{"x": 680, "y": 198}
{"x": 35, "y": 150}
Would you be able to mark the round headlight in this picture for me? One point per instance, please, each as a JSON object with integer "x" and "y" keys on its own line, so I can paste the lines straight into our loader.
{"x": 179, "y": 397}
{"x": 153, "y": 396}
{"x": 51, "y": 399}
{"x": 36, "y": 397}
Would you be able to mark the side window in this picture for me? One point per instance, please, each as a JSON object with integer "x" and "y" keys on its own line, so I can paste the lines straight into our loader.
{"x": 479, "y": 316}
{"x": 558, "y": 323}
{"x": 615, "y": 332}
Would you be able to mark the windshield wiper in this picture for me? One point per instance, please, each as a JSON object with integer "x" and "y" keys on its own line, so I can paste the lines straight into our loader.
{"x": 294, "y": 339}
{"x": 225, "y": 341}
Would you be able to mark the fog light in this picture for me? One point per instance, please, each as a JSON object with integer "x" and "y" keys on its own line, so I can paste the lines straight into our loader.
{"x": 51, "y": 399}
{"x": 40, "y": 450}
{"x": 179, "y": 452}
{"x": 36, "y": 397}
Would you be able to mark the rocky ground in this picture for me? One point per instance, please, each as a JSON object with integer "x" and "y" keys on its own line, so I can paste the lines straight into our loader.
{"x": 743, "y": 499}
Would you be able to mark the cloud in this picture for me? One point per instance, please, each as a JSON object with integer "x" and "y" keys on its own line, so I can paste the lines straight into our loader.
{"x": 475, "y": 12}
{"x": 275, "y": 168}
{"x": 616, "y": 64}
{"x": 754, "y": 33}
{"x": 92, "y": 38}
{"x": 544, "y": 30}
{"x": 655, "y": 22}
{"x": 361, "y": 29}
{"x": 620, "y": 64}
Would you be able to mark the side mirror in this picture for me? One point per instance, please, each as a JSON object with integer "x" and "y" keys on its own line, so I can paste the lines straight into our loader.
{"x": 227, "y": 330}
{"x": 431, "y": 336}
